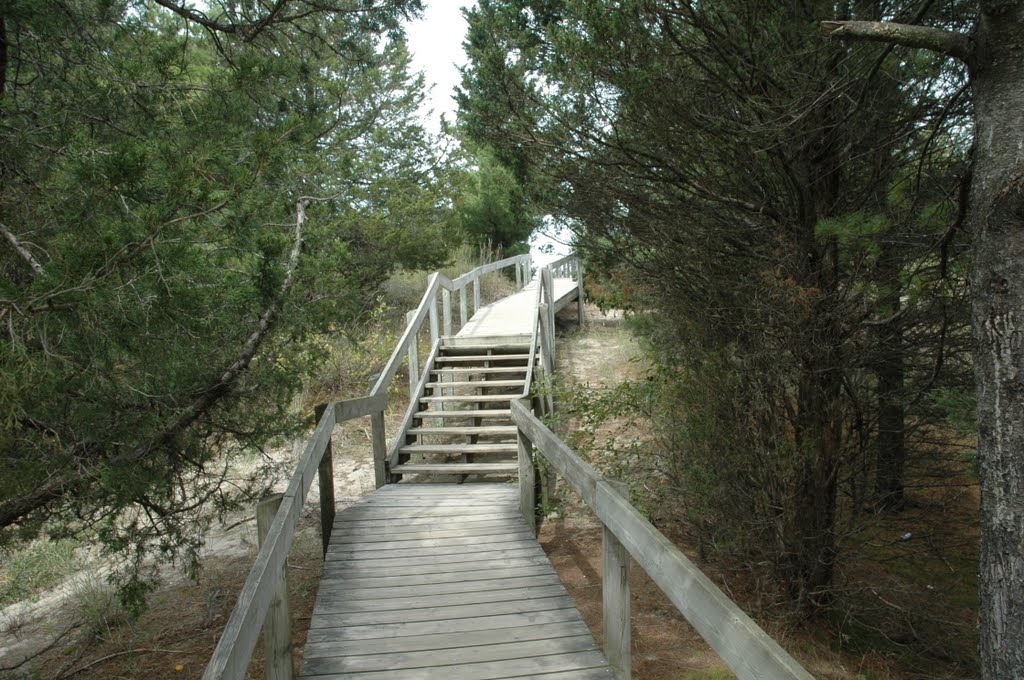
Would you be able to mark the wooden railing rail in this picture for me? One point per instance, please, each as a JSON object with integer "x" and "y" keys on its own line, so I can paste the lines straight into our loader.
{"x": 264, "y": 584}
{"x": 748, "y": 651}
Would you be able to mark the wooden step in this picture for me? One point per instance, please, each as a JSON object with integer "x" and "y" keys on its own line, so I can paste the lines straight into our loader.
{"x": 507, "y": 430}
{"x": 471, "y": 398}
{"x": 469, "y": 413}
{"x": 459, "y": 449}
{"x": 463, "y": 370}
{"x": 478, "y": 383}
{"x": 455, "y": 358}
{"x": 456, "y": 468}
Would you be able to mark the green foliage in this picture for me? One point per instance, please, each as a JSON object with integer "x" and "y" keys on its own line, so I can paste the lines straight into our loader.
{"x": 492, "y": 208}
{"x": 959, "y": 410}
{"x": 161, "y": 296}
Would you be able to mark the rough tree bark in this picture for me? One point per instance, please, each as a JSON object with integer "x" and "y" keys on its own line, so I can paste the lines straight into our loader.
{"x": 994, "y": 54}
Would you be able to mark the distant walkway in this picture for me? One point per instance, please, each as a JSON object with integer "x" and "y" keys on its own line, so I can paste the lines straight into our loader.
{"x": 510, "y": 320}
{"x": 444, "y": 581}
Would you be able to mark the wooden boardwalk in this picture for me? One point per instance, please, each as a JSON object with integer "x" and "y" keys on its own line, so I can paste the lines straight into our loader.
{"x": 444, "y": 581}
{"x": 510, "y": 319}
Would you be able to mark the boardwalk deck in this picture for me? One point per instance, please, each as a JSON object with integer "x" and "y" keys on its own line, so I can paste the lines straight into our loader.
{"x": 443, "y": 581}
{"x": 510, "y": 319}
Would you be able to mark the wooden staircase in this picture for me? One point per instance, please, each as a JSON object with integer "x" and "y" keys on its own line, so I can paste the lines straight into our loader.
{"x": 463, "y": 422}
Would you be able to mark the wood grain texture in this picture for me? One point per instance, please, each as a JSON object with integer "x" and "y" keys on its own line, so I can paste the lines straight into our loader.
{"x": 443, "y": 581}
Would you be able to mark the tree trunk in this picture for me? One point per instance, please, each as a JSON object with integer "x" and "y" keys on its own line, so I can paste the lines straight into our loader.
{"x": 996, "y": 216}
{"x": 891, "y": 451}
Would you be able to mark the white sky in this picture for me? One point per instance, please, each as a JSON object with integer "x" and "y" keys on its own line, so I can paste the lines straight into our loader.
{"x": 436, "y": 45}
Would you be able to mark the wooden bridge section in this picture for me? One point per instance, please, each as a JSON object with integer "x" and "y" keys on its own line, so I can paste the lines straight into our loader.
{"x": 438, "y": 573}
{"x": 443, "y": 581}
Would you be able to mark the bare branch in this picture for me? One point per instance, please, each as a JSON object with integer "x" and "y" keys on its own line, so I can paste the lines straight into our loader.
{"x": 22, "y": 250}
{"x": 957, "y": 45}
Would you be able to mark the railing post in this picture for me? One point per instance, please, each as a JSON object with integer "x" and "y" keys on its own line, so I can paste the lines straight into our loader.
{"x": 325, "y": 476}
{"x": 476, "y": 295}
{"x": 463, "y": 308}
{"x": 547, "y": 360}
{"x": 277, "y": 627}
{"x": 549, "y": 292}
{"x": 527, "y": 480}
{"x": 446, "y": 310}
{"x": 519, "y": 276}
{"x": 434, "y": 332}
{"x": 380, "y": 450}
{"x": 615, "y": 595}
{"x": 413, "y": 357}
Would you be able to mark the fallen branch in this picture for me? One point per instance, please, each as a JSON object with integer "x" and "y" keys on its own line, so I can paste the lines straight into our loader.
{"x": 140, "y": 650}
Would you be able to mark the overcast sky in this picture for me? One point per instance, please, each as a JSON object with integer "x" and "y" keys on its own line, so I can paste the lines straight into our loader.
{"x": 436, "y": 45}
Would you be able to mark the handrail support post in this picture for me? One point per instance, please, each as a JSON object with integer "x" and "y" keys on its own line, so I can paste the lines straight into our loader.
{"x": 463, "y": 308}
{"x": 615, "y": 596}
{"x": 277, "y": 627}
{"x": 446, "y": 311}
{"x": 527, "y": 481}
{"x": 414, "y": 357}
{"x": 325, "y": 477}
{"x": 380, "y": 450}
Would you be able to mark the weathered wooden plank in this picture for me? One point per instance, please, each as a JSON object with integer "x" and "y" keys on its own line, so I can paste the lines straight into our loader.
{"x": 458, "y": 468}
{"x": 496, "y": 514}
{"x": 497, "y": 447}
{"x": 478, "y": 370}
{"x": 349, "y": 553}
{"x": 480, "y": 430}
{"x": 439, "y": 488}
{"x": 347, "y": 570}
{"x": 456, "y": 414}
{"x": 463, "y": 358}
{"x": 581, "y": 674}
{"x": 452, "y": 642}
{"x": 531, "y": 667}
{"x": 525, "y": 651}
{"x": 474, "y": 597}
{"x": 367, "y": 581}
{"x": 342, "y": 589}
{"x": 429, "y": 501}
{"x": 398, "y": 512}
{"x": 476, "y": 383}
{"x": 323, "y": 618}
{"x": 398, "y": 637}
{"x": 369, "y": 560}
{"x": 522, "y": 534}
{"x": 430, "y": 533}
{"x": 470, "y": 398}
{"x": 381, "y": 519}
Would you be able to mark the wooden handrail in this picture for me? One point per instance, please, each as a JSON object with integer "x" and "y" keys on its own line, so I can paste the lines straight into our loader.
{"x": 230, "y": 659}
{"x": 748, "y": 651}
